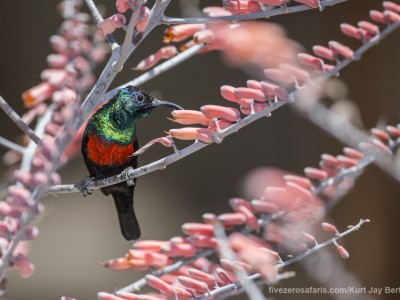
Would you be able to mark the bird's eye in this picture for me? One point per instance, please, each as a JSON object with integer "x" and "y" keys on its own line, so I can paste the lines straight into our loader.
{"x": 140, "y": 98}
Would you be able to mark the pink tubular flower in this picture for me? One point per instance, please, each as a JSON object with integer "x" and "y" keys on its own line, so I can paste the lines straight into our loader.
{"x": 310, "y": 3}
{"x": 37, "y": 94}
{"x": 23, "y": 265}
{"x": 221, "y": 112}
{"x": 164, "y": 53}
{"x": 179, "y": 33}
{"x": 241, "y": 6}
{"x": 216, "y": 11}
{"x": 266, "y": 46}
{"x": 143, "y": 19}
{"x": 123, "y": 5}
{"x": 189, "y": 117}
{"x": 107, "y": 26}
{"x": 204, "y": 135}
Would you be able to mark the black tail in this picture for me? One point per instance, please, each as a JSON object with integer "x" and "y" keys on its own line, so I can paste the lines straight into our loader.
{"x": 126, "y": 213}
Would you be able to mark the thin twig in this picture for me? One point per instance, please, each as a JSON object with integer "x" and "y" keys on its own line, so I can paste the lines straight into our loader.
{"x": 124, "y": 50}
{"x": 17, "y": 120}
{"x": 11, "y": 145}
{"x": 98, "y": 17}
{"x": 251, "y": 16}
{"x": 158, "y": 70}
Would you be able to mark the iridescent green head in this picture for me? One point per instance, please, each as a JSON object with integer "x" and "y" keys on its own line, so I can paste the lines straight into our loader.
{"x": 132, "y": 104}
{"x": 116, "y": 119}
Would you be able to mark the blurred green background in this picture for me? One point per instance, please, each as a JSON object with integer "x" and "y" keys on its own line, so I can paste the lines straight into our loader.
{"x": 78, "y": 232}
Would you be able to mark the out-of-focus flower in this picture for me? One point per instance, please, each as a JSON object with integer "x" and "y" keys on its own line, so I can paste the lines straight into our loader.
{"x": 107, "y": 26}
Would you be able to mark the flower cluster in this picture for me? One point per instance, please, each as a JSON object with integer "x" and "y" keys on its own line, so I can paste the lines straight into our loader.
{"x": 282, "y": 218}
{"x": 69, "y": 75}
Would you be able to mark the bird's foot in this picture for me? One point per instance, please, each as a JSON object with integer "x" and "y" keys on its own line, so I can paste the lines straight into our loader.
{"x": 84, "y": 187}
{"x": 125, "y": 175}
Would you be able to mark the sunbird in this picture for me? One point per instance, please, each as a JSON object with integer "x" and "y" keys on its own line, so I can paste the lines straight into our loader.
{"x": 109, "y": 140}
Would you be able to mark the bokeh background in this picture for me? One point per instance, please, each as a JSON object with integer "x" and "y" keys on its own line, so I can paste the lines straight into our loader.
{"x": 76, "y": 232}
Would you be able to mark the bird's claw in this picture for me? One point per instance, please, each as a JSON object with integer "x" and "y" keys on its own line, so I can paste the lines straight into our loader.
{"x": 84, "y": 186}
{"x": 125, "y": 175}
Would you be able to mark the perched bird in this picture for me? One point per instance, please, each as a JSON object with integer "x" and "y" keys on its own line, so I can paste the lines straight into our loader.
{"x": 110, "y": 140}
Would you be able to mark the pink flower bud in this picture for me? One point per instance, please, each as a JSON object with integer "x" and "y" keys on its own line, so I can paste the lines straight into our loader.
{"x": 251, "y": 220}
{"x": 274, "y": 90}
{"x": 235, "y": 266}
{"x": 264, "y": 206}
{"x": 256, "y": 106}
{"x": 300, "y": 180}
{"x": 57, "y": 60}
{"x": 380, "y": 134}
{"x": 55, "y": 77}
{"x": 7, "y": 210}
{"x": 314, "y": 173}
{"x": 215, "y": 11}
{"x": 173, "y": 250}
{"x": 330, "y": 160}
{"x": 37, "y": 94}
{"x": 393, "y": 131}
{"x": 353, "y": 153}
{"x": 204, "y": 36}
{"x": 127, "y": 295}
{"x": 310, "y": 3}
{"x": 204, "y": 135}
{"x": 272, "y": 2}
{"x": 341, "y": 49}
{"x": 329, "y": 227}
{"x": 228, "y": 92}
{"x": 107, "y": 26}
{"x": 309, "y": 239}
{"x": 20, "y": 196}
{"x": 351, "y": 31}
{"x": 278, "y": 76}
{"x": 310, "y": 60}
{"x": 391, "y": 16}
{"x": 202, "y": 276}
{"x": 221, "y": 112}
{"x": 241, "y": 6}
{"x": 107, "y": 296}
{"x": 123, "y": 5}
{"x": 377, "y": 16}
{"x": 179, "y": 33}
{"x": 198, "y": 228}
{"x": 346, "y": 161}
{"x": 117, "y": 264}
{"x": 389, "y": 5}
{"x": 191, "y": 283}
{"x": 166, "y": 288}
{"x": 23, "y": 265}
{"x": 230, "y": 219}
{"x": 58, "y": 43}
{"x": 143, "y": 19}
{"x": 209, "y": 218}
{"x": 324, "y": 52}
{"x": 189, "y": 117}
{"x": 31, "y": 233}
{"x": 250, "y": 93}
{"x": 343, "y": 252}
{"x": 164, "y": 53}
{"x": 149, "y": 245}
{"x": 254, "y": 84}
{"x": 301, "y": 75}
{"x": 64, "y": 96}
{"x": 23, "y": 176}
{"x": 201, "y": 241}
{"x": 224, "y": 276}
{"x": 152, "y": 259}
{"x": 298, "y": 190}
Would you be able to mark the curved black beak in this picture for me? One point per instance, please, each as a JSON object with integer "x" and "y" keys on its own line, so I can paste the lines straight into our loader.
{"x": 156, "y": 103}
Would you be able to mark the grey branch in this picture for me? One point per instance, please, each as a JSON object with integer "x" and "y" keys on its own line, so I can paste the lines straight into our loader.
{"x": 17, "y": 120}
{"x": 250, "y": 16}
